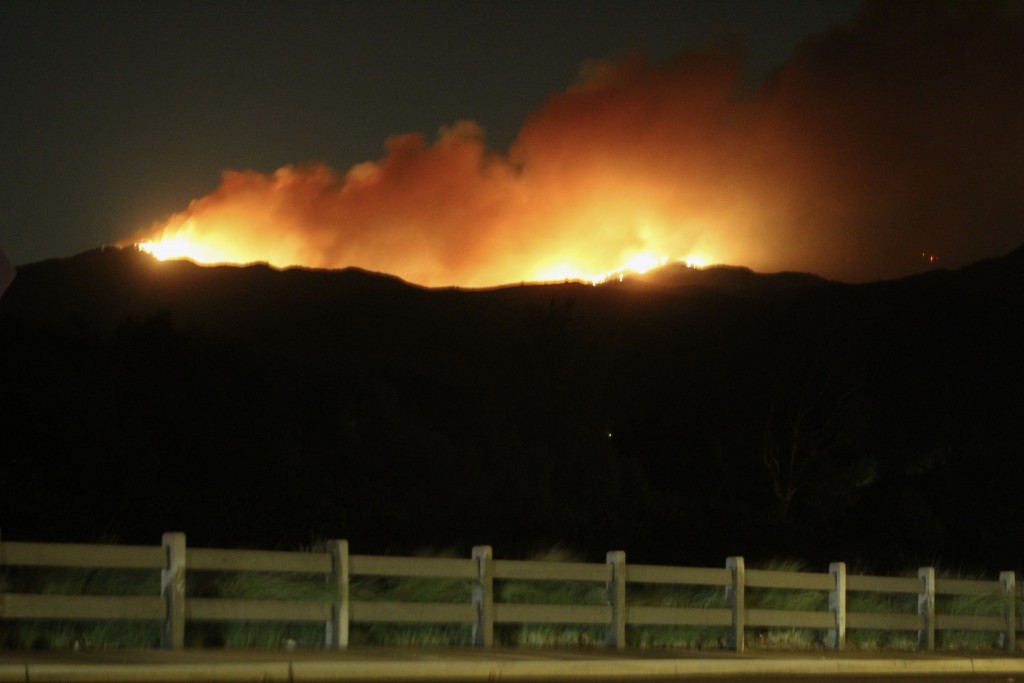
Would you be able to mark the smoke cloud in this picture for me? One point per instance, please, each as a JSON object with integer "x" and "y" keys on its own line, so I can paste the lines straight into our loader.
{"x": 897, "y": 136}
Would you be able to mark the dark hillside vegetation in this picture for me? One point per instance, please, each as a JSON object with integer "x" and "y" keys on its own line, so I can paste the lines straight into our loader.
{"x": 682, "y": 416}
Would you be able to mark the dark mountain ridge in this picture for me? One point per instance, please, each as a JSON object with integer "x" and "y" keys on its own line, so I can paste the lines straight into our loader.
{"x": 733, "y": 278}
{"x": 683, "y": 415}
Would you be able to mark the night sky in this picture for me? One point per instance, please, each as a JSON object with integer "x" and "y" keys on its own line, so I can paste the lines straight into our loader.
{"x": 117, "y": 114}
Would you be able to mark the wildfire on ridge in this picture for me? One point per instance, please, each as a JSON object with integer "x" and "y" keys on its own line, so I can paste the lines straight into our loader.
{"x": 424, "y": 215}
{"x": 180, "y": 245}
{"x": 584, "y": 193}
{"x": 640, "y": 164}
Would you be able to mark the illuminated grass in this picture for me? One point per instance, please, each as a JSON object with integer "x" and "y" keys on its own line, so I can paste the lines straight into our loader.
{"x": 73, "y": 635}
{"x": 63, "y": 635}
{"x": 409, "y": 589}
{"x": 266, "y": 635}
{"x": 550, "y": 593}
{"x": 973, "y": 605}
{"x": 786, "y": 599}
{"x": 881, "y": 603}
{"x": 688, "y": 637}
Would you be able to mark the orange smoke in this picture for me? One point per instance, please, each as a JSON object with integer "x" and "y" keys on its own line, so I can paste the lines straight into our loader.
{"x": 440, "y": 214}
{"x": 899, "y": 134}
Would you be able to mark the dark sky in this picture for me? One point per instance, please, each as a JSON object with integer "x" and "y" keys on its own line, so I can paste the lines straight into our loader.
{"x": 848, "y": 141}
{"x": 118, "y": 113}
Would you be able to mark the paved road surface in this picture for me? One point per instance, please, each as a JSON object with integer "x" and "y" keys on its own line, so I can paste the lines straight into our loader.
{"x": 535, "y": 666}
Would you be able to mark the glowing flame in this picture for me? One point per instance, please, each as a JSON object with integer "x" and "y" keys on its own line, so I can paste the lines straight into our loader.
{"x": 310, "y": 216}
{"x": 566, "y": 202}
{"x": 636, "y": 264}
{"x": 182, "y": 245}
{"x": 641, "y": 164}
{"x": 212, "y": 231}
{"x": 179, "y": 240}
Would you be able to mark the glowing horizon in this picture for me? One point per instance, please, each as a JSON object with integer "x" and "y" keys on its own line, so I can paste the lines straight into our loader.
{"x": 640, "y": 164}
{"x": 180, "y": 248}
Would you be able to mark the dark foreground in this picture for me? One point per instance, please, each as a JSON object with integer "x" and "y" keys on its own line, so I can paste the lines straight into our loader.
{"x": 537, "y": 666}
{"x": 773, "y": 416}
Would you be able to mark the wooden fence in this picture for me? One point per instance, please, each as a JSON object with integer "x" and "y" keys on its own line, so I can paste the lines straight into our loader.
{"x": 172, "y": 608}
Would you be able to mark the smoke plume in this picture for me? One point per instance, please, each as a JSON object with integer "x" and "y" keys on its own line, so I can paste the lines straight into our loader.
{"x": 879, "y": 147}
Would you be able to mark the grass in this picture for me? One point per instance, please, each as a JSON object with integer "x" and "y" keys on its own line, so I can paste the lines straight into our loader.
{"x": 412, "y": 589}
{"x": 881, "y": 603}
{"x": 688, "y": 637}
{"x": 74, "y": 635}
{"x": 970, "y": 605}
{"x": 967, "y": 605}
{"x": 258, "y": 634}
{"x": 786, "y": 599}
{"x": 550, "y": 593}
{"x": 64, "y": 635}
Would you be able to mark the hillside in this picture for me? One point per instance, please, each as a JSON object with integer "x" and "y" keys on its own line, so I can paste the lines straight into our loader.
{"x": 682, "y": 416}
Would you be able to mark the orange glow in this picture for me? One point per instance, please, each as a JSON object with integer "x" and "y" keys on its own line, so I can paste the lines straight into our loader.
{"x": 488, "y": 231}
{"x": 181, "y": 242}
{"x": 584, "y": 193}
{"x": 638, "y": 164}
{"x": 635, "y": 166}
{"x": 178, "y": 242}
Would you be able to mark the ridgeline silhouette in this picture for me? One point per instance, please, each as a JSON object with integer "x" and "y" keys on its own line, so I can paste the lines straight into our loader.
{"x": 683, "y": 415}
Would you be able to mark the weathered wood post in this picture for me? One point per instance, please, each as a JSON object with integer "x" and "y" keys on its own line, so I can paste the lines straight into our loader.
{"x": 337, "y": 627}
{"x": 837, "y": 605}
{"x": 926, "y": 609}
{"x": 736, "y": 594}
{"x": 172, "y": 589}
{"x": 616, "y": 634}
{"x": 1009, "y": 637}
{"x": 483, "y": 596}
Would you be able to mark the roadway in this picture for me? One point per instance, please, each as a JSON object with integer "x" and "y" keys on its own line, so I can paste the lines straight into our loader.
{"x": 534, "y": 666}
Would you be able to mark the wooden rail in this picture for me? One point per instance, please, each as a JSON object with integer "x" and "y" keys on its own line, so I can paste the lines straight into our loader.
{"x": 172, "y": 607}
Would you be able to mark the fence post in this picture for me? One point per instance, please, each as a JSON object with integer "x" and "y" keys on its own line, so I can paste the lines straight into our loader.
{"x": 172, "y": 588}
{"x": 926, "y": 609}
{"x": 616, "y": 635}
{"x": 837, "y": 605}
{"x": 736, "y": 593}
{"x": 337, "y": 627}
{"x": 1009, "y": 582}
{"x": 483, "y": 596}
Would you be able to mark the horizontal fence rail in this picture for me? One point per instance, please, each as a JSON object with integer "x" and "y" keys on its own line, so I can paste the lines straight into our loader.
{"x": 737, "y": 612}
